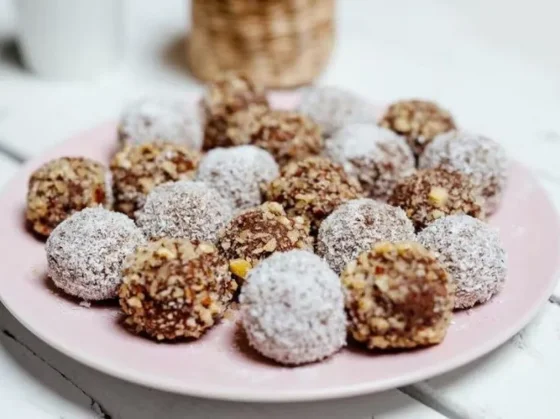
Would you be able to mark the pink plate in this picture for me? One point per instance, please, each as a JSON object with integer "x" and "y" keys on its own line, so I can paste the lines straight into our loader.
{"x": 220, "y": 365}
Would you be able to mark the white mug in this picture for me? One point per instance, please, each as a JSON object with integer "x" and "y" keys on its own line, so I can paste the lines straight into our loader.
{"x": 70, "y": 39}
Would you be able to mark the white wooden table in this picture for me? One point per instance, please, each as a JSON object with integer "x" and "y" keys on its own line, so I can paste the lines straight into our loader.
{"x": 494, "y": 63}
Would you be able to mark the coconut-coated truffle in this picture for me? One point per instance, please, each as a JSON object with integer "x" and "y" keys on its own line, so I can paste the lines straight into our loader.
{"x": 258, "y": 232}
{"x": 376, "y": 156}
{"x": 184, "y": 210}
{"x": 482, "y": 159}
{"x": 356, "y": 226}
{"x": 434, "y": 193}
{"x": 397, "y": 296}
{"x": 292, "y": 308}
{"x": 419, "y": 121}
{"x": 168, "y": 118}
{"x": 472, "y": 253}
{"x": 64, "y": 186}
{"x": 139, "y": 168}
{"x": 332, "y": 108}
{"x": 313, "y": 188}
{"x": 238, "y": 173}
{"x": 85, "y": 253}
{"x": 175, "y": 288}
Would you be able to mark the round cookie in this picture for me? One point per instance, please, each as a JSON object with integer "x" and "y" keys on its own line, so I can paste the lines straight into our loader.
{"x": 482, "y": 159}
{"x": 397, "y": 296}
{"x": 174, "y": 288}
{"x": 356, "y": 226}
{"x": 64, "y": 186}
{"x": 139, "y": 168}
{"x": 471, "y": 252}
{"x": 238, "y": 173}
{"x": 376, "y": 156}
{"x": 184, "y": 210}
{"x": 292, "y": 308}
{"x": 85, "y": 253}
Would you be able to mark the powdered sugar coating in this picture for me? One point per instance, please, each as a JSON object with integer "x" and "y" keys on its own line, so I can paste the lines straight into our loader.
{"x": 376, "y": 156}
{"x": 163, "y": 118}
{"x": 356, "y": 226}
{"x": 479, "y": 157}
{"x": 237, "y": 173}
{"x": 471, "y": 252}
{"x": 85, "y": 252}
{"x": 332, "y": 108}
{"x": 184, "y": 210}
{"x": 292, "y": 308}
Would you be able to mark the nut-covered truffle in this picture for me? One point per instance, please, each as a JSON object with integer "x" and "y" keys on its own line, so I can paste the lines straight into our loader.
{"x": 376, "y": 156}
{"x": 64, "y": 186}
{"x": 238, "y": 173}
{"x": 184, "y": 210}
{"x": 292, "y": 308}
{"x": 167, "y": 118}
{"x": 434, "y": 193}
{"x": 224, "y": 99}
{"x": 313, "y": 188}
{"x": 175, "y": 288}
{"x": 356, "y": 226}
{"x": 472, "y": 253}
{"x": 137, "y": 169}
{"x": 85, "y": 253}
{"x": 476, "y": 156}
{"x": 258, "y": 232}
{"x": 418, "y": 121}
{"x": 397, "y": 296}
{"x": 332, "y": 108}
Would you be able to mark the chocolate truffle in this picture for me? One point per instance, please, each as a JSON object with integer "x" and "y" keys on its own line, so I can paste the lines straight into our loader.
{"x": 63, "y": 186}
{"x": 332, "y": 108}
{"x": 184, "y": 210}
{"x": 434, "y": 193}
{"x": 481, "y": 158}
{"x": 85, "y": 253}
{"x": 225, "y": 98}
{"x": 397, "y": 296}
{"x": 356, "y": 226}
{"x": 139, "y": 168}
{"x": 313, "y": 188}
{"x": 167, "y": 118}
{"x": 419, "y": 121}
{"x": 284, "y": 134}
{"x": 175, "y": 288}
{"x": 376, "y": 156}
{"x": 292, "y": 308}
{"x": 238, "y": 173}
{"x": 471, "y": 252}
{"x": 258, "y": 232}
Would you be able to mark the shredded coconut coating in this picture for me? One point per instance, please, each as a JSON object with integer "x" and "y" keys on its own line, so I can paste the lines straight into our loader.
{"x": 85, "y": 253}
{"x": 64, "y": 186}
{"x": 165, "y": 118}
{"x": 434, "y": 193}
{"x": 138, "y": 169}
{"x": 238, "y": 173}
{"x": 257, "y": 233}
{"x": 184, "y": 210}
{"x": 356, "y": 226}
{"x": 419, "y": 121}
{"x": 482, "y": 159}
{"x": 174, "y": 288}
{"x": 313, "y": 188}
{"x": 292, "y": 308}
{"x": 472, "y": 253}
{"x": 332, "y": 108}
{"x": 397, "y": 296}
{"x": 376, "y": 156}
